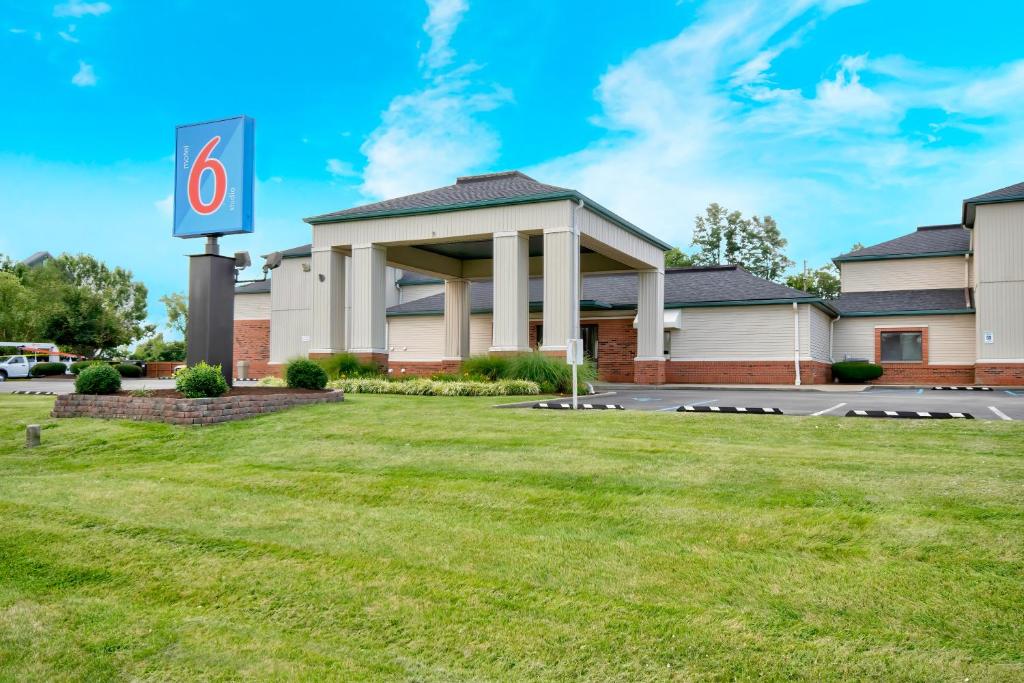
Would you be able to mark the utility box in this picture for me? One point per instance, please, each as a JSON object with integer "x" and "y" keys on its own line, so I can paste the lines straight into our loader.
{"x": 243, "y": 369}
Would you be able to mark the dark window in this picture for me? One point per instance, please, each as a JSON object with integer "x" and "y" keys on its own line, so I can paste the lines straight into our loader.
{"x": 901, "y": 347}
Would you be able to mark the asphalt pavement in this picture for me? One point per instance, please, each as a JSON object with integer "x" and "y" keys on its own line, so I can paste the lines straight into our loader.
{"x": 999, "y": 404}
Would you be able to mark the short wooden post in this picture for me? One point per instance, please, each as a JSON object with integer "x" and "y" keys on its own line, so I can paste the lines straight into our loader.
{"x": 31, "y": 436}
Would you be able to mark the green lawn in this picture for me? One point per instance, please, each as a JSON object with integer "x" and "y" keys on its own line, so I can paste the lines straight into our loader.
{"x": 437, "y": 538}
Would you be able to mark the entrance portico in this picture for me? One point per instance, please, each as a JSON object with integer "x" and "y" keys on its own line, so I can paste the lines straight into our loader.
{"x": 504, "y": 227}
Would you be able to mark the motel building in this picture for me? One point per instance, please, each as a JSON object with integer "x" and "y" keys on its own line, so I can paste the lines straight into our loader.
{"x": 419, "y": 283}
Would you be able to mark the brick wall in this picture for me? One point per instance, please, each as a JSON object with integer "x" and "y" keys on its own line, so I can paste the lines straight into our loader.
{"x": 746, "y": 372}
{"x": 422, "y": 368}
{"x": 252, "y": 343}
{"x": 999, "y": 374}
{"x": 184, "y": 411}
{"x": 922, "y": 372}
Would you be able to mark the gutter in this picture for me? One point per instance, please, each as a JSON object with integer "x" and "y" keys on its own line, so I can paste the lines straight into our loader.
{"x": 796, "y": 342}
{"x": 882, "y": 314}
{"x": 888, "y": 257}
{"x": 832, "y": 339}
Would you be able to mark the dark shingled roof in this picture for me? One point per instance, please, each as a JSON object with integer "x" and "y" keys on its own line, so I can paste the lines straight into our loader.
{"x": 683, "y": 287}
{"x": 411, "y": 278}
{"x": 466, "y": 190}
{"x": 262, "y": 287}
{"x": 903, "y": 301}
{"x": 507, "y": 187}
{"x": 296, "y": 252}
{"x": 1010, "y": 193}
{"x": 926, "y": 240}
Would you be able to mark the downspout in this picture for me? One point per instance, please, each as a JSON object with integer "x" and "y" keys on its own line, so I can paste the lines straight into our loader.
{"x": 967, "y": 280}
{"x": 796, "y": 342}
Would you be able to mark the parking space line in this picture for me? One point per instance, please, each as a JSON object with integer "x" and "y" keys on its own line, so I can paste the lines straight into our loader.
{"x": 674, "y": 409}
{"x": 1012, "y": 393}
{"x": 828, "y": 410}
{"x": 1000, "y": 414}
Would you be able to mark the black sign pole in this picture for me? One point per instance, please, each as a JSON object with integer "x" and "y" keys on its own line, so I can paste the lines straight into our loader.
{"x": 211, "y": 309}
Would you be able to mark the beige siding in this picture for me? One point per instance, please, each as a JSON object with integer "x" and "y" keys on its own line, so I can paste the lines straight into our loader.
{"x": 416, "y": 337}
{"x": 735, "y": 333}
{"x": 421, "y": 337}
{"x": 446, "y": 226}
{"x": 480, "y": 329}
{"x": 291, "y": 317}
{"x": 1000, "y": 307}
{"x": 252, "y": 306}
{"x": 999, "y": 255}
{"x": 290, "y": 334}
{"x": 943, "y": 272}
{"x": 950, "y": 337}
{"x": 818, "y": 328}
{"x": 625, "y": 245}
{"x": 409, "y": 293}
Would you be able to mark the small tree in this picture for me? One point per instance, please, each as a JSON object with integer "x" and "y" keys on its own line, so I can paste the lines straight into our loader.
{"x": 762, "y": 248}
{"x": 722, "y": 237}
{"x": 676, "y": 258}
{"x": 823, "y": 282}
{"x": 176, "y": 305}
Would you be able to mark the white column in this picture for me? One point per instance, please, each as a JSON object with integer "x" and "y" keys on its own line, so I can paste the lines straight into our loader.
{"x": 650, "y": 315}
{"x": 558, "y": 303}
{"x": 369, "y": 299}
{"x": 511, "y": 293}
{"x": 456, "y": 319}
{"x": 328, "y": 301}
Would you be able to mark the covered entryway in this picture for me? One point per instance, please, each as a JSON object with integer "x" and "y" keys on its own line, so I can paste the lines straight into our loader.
{"x": 504, "y": 227}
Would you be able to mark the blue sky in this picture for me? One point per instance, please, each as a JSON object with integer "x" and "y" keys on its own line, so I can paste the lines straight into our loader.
{"x": 847, "y": 121}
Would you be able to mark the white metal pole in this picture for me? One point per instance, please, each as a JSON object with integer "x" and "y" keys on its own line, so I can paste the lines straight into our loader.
{"x": 575, "y": 304}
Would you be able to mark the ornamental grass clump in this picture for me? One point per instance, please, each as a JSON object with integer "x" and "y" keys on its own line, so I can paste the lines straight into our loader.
{"x": 551, "y": 373}
{"x": 427, "y": 387}
{"x": 201, "y": 381}
{"x": 305, "y": 374}
{"x": 490, "y": 368}
{"x": 98, "y": 379}
{"x": 348, "y": 365}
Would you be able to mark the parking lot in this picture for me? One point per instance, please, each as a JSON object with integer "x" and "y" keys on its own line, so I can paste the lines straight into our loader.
{"x": 998, "y": 404}
{"x": 66, "y": 385}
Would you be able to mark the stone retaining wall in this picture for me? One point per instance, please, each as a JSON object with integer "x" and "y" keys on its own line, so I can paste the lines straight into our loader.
{"x": 184, "y": 411}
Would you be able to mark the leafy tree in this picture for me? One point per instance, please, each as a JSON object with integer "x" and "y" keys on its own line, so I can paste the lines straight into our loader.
{"x": 16, "y": 321}
{"x": 722, "y": 236}
{"x": 82, "y": 323}
{"x": 762, "y": 248}
{"x": 716, "y": 235}
{"x": 823, "y": 282}
{"x": 676, "y": 258}
{"x": 156, "y": 348}
{"x": 176, "y": 305}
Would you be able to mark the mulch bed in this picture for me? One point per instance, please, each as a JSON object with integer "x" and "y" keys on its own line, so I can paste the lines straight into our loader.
{"x": 234, "y": 391}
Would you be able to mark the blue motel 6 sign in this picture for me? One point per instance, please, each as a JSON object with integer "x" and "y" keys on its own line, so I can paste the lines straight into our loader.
{"x": 213, "y": 178}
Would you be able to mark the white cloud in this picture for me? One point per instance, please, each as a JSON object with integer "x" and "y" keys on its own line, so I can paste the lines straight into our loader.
{"x": 429, "y": 137}
{"x": 16, "y": 30}
{"x": 443, "y": 18}
{"x": 698, "y": 118}
{"x": 77, "y": 8}
{"x": 343, "y": 169}
{"x": 86, "y": 76}
{"x": 165, "y": 206}
{"x": 67, "y": 36}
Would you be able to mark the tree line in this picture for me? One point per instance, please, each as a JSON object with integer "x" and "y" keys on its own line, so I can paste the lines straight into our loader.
{"x": 756, "y": 244}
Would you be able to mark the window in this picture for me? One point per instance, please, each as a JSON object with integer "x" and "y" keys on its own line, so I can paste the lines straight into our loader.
{"x": 901, "y": 347}
{"x": 668, "y": 342}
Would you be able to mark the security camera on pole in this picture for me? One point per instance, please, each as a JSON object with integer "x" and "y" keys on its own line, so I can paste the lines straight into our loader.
{"x": 213, "y": 196}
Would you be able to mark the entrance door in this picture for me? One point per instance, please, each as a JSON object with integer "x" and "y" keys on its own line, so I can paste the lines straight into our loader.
{"x": 589, "y": 340}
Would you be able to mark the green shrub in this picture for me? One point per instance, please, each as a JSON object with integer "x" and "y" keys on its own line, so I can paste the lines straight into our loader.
{"x": 98, "y": 379}
{"x": 856, "y": 371}
{"x": 305, "y": 374}
{"x": 129, "y": 370}
{"x": 271, "y": 381}
{"x": 48, "y": 369}
{"x": 201, "y": 381}
{"x": 488, "y": 367}
{"x": 425, "y": 387}
{"x": 552, "y": 374}
{"x": 80, "y": 365}
{"x": 348, "y": 365}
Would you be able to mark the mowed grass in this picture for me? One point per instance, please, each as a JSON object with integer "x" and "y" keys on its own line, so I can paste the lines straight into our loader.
{"x": 434, "y": 539}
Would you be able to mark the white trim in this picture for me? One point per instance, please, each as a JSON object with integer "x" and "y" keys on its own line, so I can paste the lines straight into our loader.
{"x": 548, "y": 231}
{"x": 1000, "y": 360}
{"x": 503, "y": 233}
{"x": 330, "y": 351}
{"x": 508, "y": 349}
{"x": 787, "y": 359}
{"x": 648, "y": 359}
{"x": 383, "y": 351}
{"x": 908, "y": 326}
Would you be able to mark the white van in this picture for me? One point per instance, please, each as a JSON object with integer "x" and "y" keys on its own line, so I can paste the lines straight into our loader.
{"x": 15, "y": 366}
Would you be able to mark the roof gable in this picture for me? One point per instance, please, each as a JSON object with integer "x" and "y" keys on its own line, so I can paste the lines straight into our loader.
{"x": 1010, "y": 193}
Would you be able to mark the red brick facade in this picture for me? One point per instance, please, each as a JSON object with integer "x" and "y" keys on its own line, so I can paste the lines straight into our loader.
{"x": 918, "y": 372}
{"x": 398, "y": 368}
{"x": 999, "y": 374}
{"x": 746, "y": 372}
{"x": 252, "y": 343}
